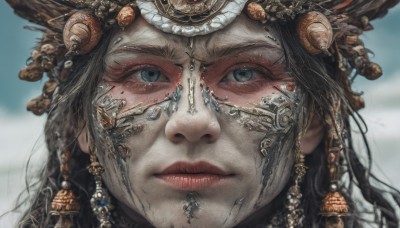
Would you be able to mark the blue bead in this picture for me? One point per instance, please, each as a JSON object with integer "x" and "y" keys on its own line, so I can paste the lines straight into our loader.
{"x": 102, "y": 202}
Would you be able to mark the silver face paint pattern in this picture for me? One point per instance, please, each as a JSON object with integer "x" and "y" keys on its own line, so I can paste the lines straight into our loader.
{"x": 191, "y": 205}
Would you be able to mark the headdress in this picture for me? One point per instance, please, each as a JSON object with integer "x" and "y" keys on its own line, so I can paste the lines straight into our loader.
{"x": 330, "y": 28}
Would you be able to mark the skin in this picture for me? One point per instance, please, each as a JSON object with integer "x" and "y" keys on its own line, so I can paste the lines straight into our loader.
{"x": 197, "y": 111}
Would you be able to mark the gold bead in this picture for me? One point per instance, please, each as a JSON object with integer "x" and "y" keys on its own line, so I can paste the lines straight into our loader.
{"x": 255, "y": 11}
{"x": 126, "y": 16}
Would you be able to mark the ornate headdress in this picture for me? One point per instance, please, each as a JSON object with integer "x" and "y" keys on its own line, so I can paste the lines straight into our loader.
{"x": 325, "y": 27}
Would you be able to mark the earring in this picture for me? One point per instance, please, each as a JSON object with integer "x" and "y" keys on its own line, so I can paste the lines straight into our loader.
{"x": 334, "y": 205}
{"x": 64, "y": 204}
{"x": 100, "y": 201}
{"x": 295, "y": 215}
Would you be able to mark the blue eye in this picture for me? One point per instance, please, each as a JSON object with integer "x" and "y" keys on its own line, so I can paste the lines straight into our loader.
{"x": 150, "y": 75}
{"x": 243, "y": 75}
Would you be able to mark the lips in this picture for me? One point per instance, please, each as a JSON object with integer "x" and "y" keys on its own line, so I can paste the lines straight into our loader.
{"x": 193, "y": 176}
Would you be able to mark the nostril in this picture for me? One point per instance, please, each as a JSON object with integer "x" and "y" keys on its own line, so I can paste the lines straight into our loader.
{"x": 179, "y": 136}
{"x": 207, "y": 137}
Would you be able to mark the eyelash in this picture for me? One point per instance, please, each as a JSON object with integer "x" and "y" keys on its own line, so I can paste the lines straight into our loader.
{"x": 253, "y": 84}
{"x": 124, "y": 75}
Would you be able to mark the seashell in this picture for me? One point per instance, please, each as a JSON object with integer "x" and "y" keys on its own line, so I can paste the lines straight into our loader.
{"x": 82, "y": 32}
{"x": 255, "y": 11}
{"x": 333, "y": 204}
{"x": 371, "y": 71}
{"x": 31, "y": 73}
{"x": 315, "y": 32}
{"x": 39, "y": 105}
{"x": 126, "y": 16}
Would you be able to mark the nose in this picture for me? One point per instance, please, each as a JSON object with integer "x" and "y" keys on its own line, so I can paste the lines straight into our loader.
{"x": 193, "y": 122}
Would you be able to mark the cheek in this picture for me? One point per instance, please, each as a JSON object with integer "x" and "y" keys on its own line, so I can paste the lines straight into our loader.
{"x": 249, "y": 99}
{"x": 267, "y": 130}
{"x": 150, "y": 94}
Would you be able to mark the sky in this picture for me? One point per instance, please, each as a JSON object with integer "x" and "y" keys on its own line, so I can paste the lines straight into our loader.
{"x": 21, "y": 132}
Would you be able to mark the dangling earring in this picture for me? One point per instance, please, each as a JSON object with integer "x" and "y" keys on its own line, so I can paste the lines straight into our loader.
{"x": 100, "y": 201}
{"x": 295, "y": 215}
{"x": 334, "y": 205}
{"x": 64, "y": 204}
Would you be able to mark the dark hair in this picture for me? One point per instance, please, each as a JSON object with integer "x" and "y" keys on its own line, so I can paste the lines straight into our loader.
{"x": 318, "y": 77}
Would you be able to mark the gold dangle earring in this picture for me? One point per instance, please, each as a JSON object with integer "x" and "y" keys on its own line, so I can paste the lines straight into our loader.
{"x": 64, "y": 204}
{"x": 295, "y": 215}
{"x": 334, "y": 205}
{"x": 100, "y": 201}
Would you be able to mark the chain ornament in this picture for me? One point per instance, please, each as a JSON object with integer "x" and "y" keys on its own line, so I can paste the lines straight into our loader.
{"x": 100, "y": 201}
{"x": 334, "y": 205}
{"x": 295, "y": 215}
{"x": 64, "y": 205}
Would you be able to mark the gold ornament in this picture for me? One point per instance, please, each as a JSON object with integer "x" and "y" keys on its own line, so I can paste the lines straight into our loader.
{"x": 64, "y": 203}
{"x": 82, "y": 32}
{"x": 334, "y": 204}
{"x": 126, "y": 16}
{"x": 315, "y": 32}
{"x": 255, "y": 11}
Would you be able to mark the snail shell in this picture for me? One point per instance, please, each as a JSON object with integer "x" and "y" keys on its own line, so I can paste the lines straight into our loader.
{"x": 315, "y": 32}
{"x": 255, "y": 11}
{"x": 82, "y": 32}
{"x": 126, "y": 16}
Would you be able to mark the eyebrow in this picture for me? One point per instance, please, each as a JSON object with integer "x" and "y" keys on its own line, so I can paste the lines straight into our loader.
{"x": 165, "y": 51}
{"x": 233, "y": 49}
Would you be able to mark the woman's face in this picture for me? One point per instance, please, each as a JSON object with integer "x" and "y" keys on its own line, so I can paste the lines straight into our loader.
{"x": 195, "y": 131}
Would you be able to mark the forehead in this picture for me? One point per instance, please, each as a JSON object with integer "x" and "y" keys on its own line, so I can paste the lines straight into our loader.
{"x": 242, "y": 31}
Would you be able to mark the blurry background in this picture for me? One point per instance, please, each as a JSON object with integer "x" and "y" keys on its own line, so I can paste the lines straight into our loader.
{"x": 21, "y": 132}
